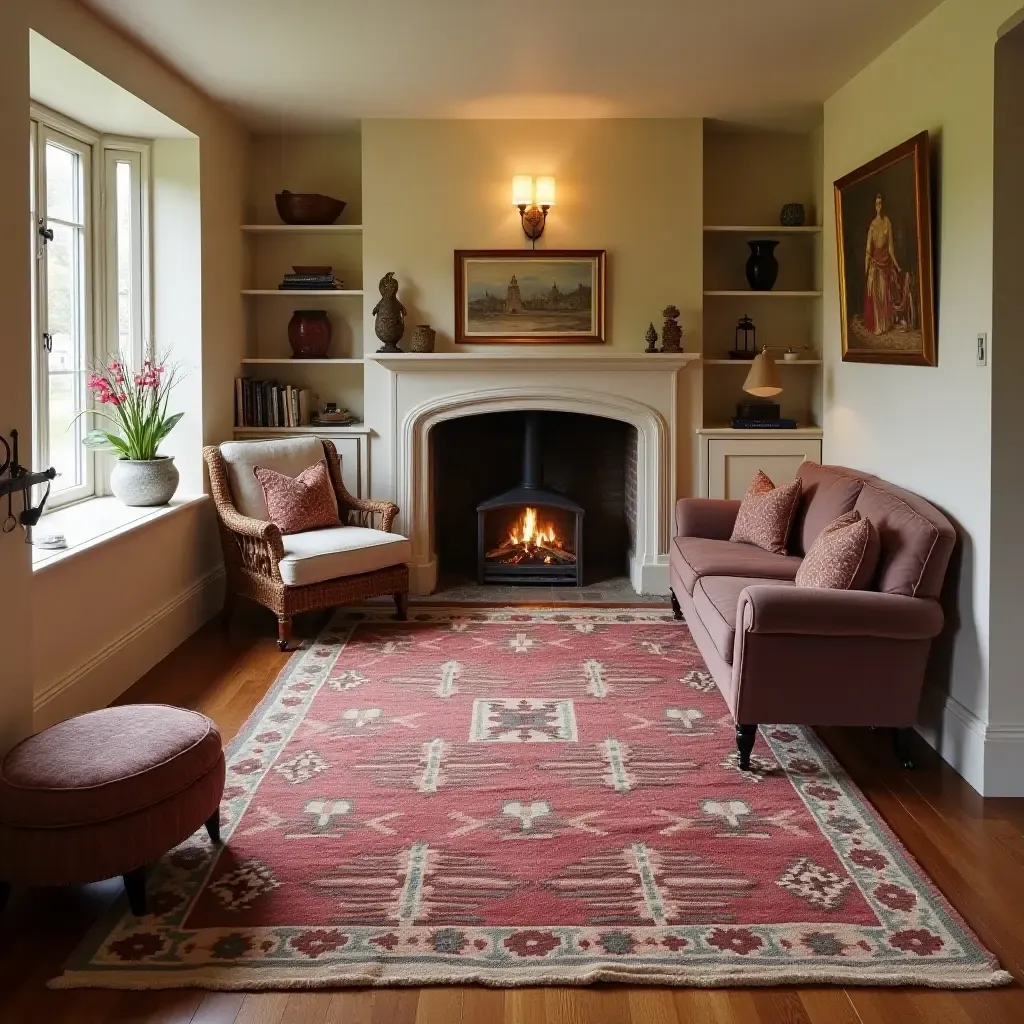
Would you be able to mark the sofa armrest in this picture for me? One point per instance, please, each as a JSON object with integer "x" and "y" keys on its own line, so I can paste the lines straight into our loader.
{"x": 711, "y": 518}
{"x": 812, "y": 611}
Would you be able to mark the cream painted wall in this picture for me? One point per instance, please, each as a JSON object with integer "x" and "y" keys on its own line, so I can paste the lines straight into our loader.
{"x": 24, "y": 599}
{"x": 929, "y": 429}
{"x": 15, "y": 369}
{"x": 631, "y": 187}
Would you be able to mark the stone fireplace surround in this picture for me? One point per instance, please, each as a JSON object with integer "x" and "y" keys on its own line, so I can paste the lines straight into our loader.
{"x": 639, "y": 389}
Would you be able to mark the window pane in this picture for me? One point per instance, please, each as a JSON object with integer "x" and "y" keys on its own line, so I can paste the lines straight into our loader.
{"x": 66, "y": 453}
{"x": 125, "y": 261}
{"x": 62, "y": 183}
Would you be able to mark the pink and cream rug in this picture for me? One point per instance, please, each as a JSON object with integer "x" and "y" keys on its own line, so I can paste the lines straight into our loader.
{"x": 524, "y": 797}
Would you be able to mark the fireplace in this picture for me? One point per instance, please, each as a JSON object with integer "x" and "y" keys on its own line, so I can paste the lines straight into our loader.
{"x": 530, "y": 534}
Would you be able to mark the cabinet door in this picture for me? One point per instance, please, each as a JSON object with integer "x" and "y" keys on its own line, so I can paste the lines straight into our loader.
{"x": 732, "y": 462}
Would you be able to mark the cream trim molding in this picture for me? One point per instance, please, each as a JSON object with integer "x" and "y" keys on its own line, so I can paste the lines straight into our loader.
{"x": 107, "y": 674}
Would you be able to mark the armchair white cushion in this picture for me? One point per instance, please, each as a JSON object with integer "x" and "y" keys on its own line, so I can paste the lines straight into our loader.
{"x": 320, "y": 555}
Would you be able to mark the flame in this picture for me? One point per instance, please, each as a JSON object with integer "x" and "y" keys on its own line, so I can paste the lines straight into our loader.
{"x": 528, "y": 532}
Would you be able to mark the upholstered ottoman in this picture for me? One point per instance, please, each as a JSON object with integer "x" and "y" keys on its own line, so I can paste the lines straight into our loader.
{"x": 106, "y": 794}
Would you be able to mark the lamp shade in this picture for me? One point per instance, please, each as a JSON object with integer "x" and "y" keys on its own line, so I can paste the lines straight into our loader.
{"x": 763, "y": 378}
{"x": 522, "y": 190}
{"x": 545, "y": 195}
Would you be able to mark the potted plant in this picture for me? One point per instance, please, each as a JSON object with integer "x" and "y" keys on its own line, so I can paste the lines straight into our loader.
{"x": 134, "y": 402}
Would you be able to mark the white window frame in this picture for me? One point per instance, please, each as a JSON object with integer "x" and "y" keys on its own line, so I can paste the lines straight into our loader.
{"x": 100, "y": 322}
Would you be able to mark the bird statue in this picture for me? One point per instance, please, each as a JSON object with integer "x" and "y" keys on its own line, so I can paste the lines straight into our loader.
{"x": 389, "y": 314}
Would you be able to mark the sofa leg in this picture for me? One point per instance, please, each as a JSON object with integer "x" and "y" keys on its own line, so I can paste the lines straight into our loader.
{"x": 401, "y": 605}
{"x": 213, "y": 827}
{"x": 135, "y": 889}
{"x": 284, "y": 633}
{"x": 676, "y": 610}
{"x": 901, "y": 744}
{"x": 745, "y": 736}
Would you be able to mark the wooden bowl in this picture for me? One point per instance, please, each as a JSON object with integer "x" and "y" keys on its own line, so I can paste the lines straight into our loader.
{"x": 307, "y": 208}
{"x": 319, "y": 270}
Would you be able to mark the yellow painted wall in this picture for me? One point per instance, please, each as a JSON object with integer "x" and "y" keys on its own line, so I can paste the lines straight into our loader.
{"x": 928, "y": 429}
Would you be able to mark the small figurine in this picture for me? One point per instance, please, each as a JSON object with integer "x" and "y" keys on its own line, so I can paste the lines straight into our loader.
{"x": 671, "y": 332}
{"x": 651, "y": 337}
{"x": 389, "y": 313}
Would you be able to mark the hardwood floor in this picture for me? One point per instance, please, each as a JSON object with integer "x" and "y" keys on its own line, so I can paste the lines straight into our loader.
{"x": 972, "y": 848}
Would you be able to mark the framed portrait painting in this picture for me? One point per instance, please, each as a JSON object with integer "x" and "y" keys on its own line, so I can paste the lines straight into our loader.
{"x": 884, "y": 241}
{"x": 550, "y": 296}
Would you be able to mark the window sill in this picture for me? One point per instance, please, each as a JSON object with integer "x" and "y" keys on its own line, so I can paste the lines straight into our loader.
{"x": 97, "y": 521}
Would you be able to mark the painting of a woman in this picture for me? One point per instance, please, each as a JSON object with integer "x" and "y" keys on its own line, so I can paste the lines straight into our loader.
{"x": 883, "y": 227}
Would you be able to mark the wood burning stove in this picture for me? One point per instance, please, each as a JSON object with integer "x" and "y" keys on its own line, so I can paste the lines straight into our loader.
{"x": 530, "y": 535}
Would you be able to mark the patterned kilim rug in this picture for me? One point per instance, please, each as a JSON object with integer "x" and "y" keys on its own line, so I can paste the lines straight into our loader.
{"x": 520, "y": 797}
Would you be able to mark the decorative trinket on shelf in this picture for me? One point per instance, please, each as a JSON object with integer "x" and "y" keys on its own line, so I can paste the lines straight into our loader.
{"x": 762, "y": 266}
{"x": 792, "y": 215}
{"x": 651, "y": 337}
{"x": 389, "y": 314}
{"x": 423, "y": 336}
{"x": 745, "y": 339}
{"x": 671, "y": 332}
{"x": 309, "y": 334}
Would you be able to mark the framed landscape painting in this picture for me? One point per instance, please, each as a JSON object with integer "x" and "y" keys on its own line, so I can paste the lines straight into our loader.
{"x": 884, "y": 240}
{"x": 555, "y": 296}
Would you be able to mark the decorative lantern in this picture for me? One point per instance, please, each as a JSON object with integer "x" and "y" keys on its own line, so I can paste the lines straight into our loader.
{"x": 745, "y": 341}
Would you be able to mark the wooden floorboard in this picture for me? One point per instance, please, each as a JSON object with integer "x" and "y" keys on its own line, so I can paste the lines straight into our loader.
{"x": 973, "y": 849}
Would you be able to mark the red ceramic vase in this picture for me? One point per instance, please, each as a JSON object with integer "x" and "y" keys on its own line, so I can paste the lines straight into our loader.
{"x": 309, "y": 333}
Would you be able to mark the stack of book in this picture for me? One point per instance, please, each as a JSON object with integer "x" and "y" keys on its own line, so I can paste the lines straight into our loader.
{"x": 310, "y": 282}
{"x": 744, "y": 423}
{"x": 265, "y": 403}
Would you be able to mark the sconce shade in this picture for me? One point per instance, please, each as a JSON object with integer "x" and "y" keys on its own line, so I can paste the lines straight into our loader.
{"x": 522, "y": 190}
{"x": 763, "y": 378}
{"x": 545, "y": 194}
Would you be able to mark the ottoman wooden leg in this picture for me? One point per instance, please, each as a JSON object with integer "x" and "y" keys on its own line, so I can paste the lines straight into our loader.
{"x": 135, "y": 889}
{"x": 401, "y": 605}
{"x": 213, "y": 827}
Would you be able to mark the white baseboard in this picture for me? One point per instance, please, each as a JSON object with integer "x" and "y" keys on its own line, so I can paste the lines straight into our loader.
{"x": 649, "y": 578}
{"x": 989, "y": 757}
{"x": 110, "y": 672}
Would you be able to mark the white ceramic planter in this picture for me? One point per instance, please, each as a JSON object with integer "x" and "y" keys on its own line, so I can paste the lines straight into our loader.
{"x": 151, "y": 482}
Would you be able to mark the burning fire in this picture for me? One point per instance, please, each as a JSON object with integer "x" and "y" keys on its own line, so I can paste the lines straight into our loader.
{"x": 530, "y": 541}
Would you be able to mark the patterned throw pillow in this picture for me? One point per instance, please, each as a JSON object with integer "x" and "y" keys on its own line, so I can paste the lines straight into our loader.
{"x": 766, "y": 514}
{"x": 300, "y": 503}
{"x": 843, "y": 557}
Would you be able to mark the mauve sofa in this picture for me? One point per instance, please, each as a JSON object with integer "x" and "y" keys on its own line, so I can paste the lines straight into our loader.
{"x": 781, "y": 653}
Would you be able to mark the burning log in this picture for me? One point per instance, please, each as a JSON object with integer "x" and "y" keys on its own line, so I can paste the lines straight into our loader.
{"x": 516, "y": 553}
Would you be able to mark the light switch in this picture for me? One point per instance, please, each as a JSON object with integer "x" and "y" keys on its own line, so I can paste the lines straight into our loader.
{"x": 981, "y": 356}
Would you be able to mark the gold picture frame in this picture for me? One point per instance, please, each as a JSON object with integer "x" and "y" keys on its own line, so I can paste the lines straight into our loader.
{"x": 884, "y": 246}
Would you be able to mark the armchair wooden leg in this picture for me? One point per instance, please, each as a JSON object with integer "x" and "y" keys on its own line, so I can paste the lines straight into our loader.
{"x": 401, "y": 605}
{"x": 745, "y": 736}
{"x": 284, "y": 633}
{"x": 676, "y": 610}
{"x": 135, "y": 889}
{"x": 901, "y": 744}
{"x": 213, "y": 827}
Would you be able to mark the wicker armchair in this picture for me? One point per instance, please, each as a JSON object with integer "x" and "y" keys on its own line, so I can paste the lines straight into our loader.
{"x": 277, "y": 571}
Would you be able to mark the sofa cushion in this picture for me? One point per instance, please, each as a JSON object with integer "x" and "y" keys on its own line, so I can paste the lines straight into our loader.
{"x": 766, "y": 514}
{"x": 106, "y": 764}
{"x": 825, "y": 495}
{"x": 843, "y": 557}
{"x": 694, "y": 557}
{"x": 343, "y": 551}
{"x": 715, "y": 599}
{"x": 908, "y": 540}
{"x": 287, "y": 455}
{"x": 299, "y": 503}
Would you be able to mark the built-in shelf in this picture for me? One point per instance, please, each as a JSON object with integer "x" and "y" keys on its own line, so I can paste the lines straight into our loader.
{"x": 756, "y": 229}
{"x": 578, "y": 356}
{"x": 747, "y": 362}
{"x": 337, "y": 293}
{"x": 746, "y": 293}
{"x": 303, "y": 229}
{"x": 291, "y": 361}
{"x": 809, "y": 431}
{"x": 355, "y": 428}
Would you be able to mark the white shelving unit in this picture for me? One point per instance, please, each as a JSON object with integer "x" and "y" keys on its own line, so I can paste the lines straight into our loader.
{"x": 763, "y": 231}
{"x": 291, "y": 361}
{"x": 326, "y": 293}
{"x": 303, "y": 229}
{"x": 749, "y": 293}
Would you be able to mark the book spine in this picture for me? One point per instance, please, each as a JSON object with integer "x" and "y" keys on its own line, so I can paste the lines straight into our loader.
{"x": 239, "y": 415}
{"x": 744, "y": 424}
{"x": 304, "y": 407}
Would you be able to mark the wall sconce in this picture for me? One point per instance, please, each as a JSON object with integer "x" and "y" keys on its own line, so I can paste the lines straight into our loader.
{"x": 534, "y": 199}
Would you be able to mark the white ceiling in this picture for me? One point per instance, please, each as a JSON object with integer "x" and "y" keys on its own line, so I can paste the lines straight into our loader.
{"x": 302, "y": 64}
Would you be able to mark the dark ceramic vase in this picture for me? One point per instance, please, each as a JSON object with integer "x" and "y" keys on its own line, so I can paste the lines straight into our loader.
{"x": 762, "y": 266}
{"x": 309, "y": 333}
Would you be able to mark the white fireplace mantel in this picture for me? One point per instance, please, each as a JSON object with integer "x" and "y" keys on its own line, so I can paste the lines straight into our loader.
{"x": 638, "y": 388}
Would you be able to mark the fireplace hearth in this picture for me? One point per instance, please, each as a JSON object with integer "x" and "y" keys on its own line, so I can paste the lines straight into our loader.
{"x": 530, "y": 534}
